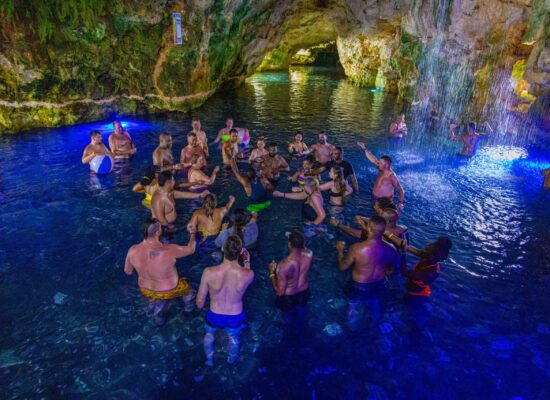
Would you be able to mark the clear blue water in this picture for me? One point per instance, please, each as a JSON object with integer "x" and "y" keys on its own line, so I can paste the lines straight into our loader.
{"x": 66, "y": 234}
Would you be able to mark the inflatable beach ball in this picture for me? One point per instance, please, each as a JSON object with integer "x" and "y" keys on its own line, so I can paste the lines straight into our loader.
{"x": 102, "y": 165}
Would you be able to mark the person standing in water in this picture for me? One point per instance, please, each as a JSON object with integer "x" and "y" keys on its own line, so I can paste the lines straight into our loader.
{"x": 120, "y": 142}
{"x": 226, "y": 285}
{"x": 371, "y": 260}
{"x": 95, "y": 148}
{"x": 386, "y": 181}
{"x": 258, "y": 154}
{"x": 470, "y": 140}
{"x": 230, "y": 148}
{"x": 207, "y": 220}
{"x": 227, "y": 130}
{"x": 163, "y": 159}
{"x": 196, "y": 176}
{"x": 313, "y": 211}
{"x": 155, "y": 264}
{"x": 274, "y": 164}
{"x": 322, "y": 150}
{"x": 193, "y": 148}
{"x": 398, "y": 128}
{"x": 201, "y": 135}
{"x": 338, "y": 160}
{"x": 298, "y": 148}
{"x": 289, "y": 279}
{"x": 546, "y": 174}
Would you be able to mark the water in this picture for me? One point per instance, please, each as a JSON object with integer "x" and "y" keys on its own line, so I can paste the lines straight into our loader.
{"x": 74, "y": 325}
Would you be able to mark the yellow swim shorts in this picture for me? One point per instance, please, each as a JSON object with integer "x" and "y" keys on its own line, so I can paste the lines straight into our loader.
{"x": 181, "y": 289}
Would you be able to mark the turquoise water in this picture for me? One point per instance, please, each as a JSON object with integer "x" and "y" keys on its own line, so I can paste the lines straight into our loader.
{"x": 75, "y": 326}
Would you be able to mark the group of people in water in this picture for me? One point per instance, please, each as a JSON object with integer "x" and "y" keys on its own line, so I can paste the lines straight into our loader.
{"x": 378, "y": 251}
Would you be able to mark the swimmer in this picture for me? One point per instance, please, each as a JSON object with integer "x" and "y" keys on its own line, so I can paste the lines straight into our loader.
{"x": 300, "y": 177}
{"x": 371, "y": 259}
{"x": 227, "y": 130}
{"x": 470, "y": 140}
{"x": 312, "y": 209}
{"x": 163, "y": 203}
{"x": 244, "y": 225}
{"x": 230, "y": 148}
{"x": 207, "y": 220}
{"x": 258, "y": 154}
{"x": 197, "y": 177}
{"x": 256, "y": 187}
{"x": 338, "y": 160}
{"x": 392, "y": 228}
{"x": 193, "y": 148}
{"x": 201, "y": 135}
{"x": 298, "y": 148}
{"x": 546, "y": 174}
{"x": 386, "y": 181}
{"x": 322, "y": 150}
{"x": 163, "y": 159}
{"x": 337, "y": 187}
{"x": 155, "y": 264}
{"x": 398, "y": 128}
{"x": 226, "y": 285}
{"x": 120, "y": 142}
{"x": 95, "y": 148}
{"x": 289, "y": 279}
{"x": 274, "y": 164}
{"x": 147, "y": 185}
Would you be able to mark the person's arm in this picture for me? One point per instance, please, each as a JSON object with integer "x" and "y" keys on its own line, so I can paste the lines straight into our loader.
{"x": 545, "y": 171}
{"x": 180, "y": 195}
{"x": 128, "y": 267}
{"x": 349, "y": 190}
{"x": 158, "y": 212}
{"x": 371, "y": 157}
{"x": 87, "y": 156}
{"x": 112, "y": 144}
{"x": 184, "y": 251}
{"x": 228, "y": 206}
{"x": 193, "y": 222}
{"x": 354, "y": 182}
{"x": 489, "y": 128}
{"x": 356, "y": 233}
{"x": 291, "y": 148}
{"x": 212, "y": 178}
{"x": 305, "y": 149}
{"x": 283, "y": 165}
{"x": 344, "y": 261}
{"x": 294, "y": 176}
{"x": 219, "y": 136}
{"x": 452, "y": 132}
{"x": 326, "y": 186}
{"x": 400, "y": 190}
{"x": 107, "y": 151}
{"x": 278, "y": 278}
{"x": 402, "y": 244}
{"x": 138, "y": 188}
{"x": 319, "y": 209}
{"x": 203, "y": 290}
{"x": 290, "y": 196}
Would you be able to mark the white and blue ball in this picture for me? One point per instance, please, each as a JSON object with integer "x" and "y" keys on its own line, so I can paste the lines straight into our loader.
{"x": 102, "y": 165}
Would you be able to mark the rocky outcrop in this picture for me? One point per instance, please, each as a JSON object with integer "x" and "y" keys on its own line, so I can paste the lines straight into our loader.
{"x": 67, "y": 62}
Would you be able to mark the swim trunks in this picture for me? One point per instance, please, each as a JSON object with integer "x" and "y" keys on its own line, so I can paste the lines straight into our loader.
{"x": 181, "y": 289}
{"x": 365, "y": 291}
{"x": 218, "y": 321}
{"x": 289, "y": 302}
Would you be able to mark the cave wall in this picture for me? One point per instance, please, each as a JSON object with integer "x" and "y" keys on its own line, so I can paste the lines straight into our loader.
{"x": 66, "y": 62}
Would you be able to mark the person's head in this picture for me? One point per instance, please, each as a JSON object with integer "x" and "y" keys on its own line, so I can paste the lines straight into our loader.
{"x": 401, "y": 118}
{"x": 311, "y": 186}
{"x": 151, "y": 228}
{"x": 382, "y": 203}
{"x": 307, "y": 163}
{"x": 338, "y": 153}
{"x": 209, "y": 204}
{"x": 296, "y": 240}
{"x": 298, "y": 137}
{"x": 439, "y": 250}
{"x": 272, "y": 149}
{"x": 148, "y": 176}
{"x": 390, "y": 215}
{"x": 322, "y": 138}
{"x": 165, "y": 140}
{"x": 252, "y": 175}
{"x": 336, "y": 173}
{"x": 229, "y": 122}
{"x": 95, "y": 137}
{"x": 472, "y": 127}
{"x": 117, "y": 127}
{"x": 232, "y": 248}
{"x": 240, "y": 218}
{"x": 196, "y": 124}
{"x": 192, "y": 139}
{"x": 233, "y": 135}
{"x": 260, "y": 143}
{"x": 166, "y": 180}
{"x": 376, "y": 227}
{"x": 198, "y": 161}
{"x": 385, "y": 162}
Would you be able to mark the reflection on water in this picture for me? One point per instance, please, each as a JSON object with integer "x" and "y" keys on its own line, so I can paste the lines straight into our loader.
{"x": 73, "y": 325}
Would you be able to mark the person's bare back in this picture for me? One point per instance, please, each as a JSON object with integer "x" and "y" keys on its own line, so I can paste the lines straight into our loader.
{"x": 227, "y": 284}
{"x": 155, "y": 264}
{"x": 294, "y": 271}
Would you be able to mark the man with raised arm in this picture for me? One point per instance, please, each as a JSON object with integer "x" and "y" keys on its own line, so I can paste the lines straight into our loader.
{"x": 322, "y": 150}
{"x": 226, "y": 285}
{"x": 470, "y": 139}
{"x": 155, "y": 264}
{"x": 289, "y": 279}
{"x": 386, "y": 181}
{"x": 120, "y": 142}
{"x": 371, "y": 259}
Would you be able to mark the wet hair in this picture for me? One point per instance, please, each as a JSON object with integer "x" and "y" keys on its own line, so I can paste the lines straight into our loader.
{"x": 232, "y": 247}
{"x": 260, "y": 139}
{"x": 385, "y": 202}
{"x": 379, "y": 223}
{"x": 195, "y": 119}
{"x": 240, "y": 218}
{"x": 229, "y": 118}
{"x": 339, "y": 148}
{"x": 272, "y": 144}
{"x": 209, "y": 204}
{"x": 150, "y": 227}
{"x": 387, "y": 158}
{"x": 164, "y": 177}
{"x": 148, "y": 175}
{"x": 439, "y": 250}
{"x": 298, "y": 133}
{"x": 195, "y": 157}
{"x": 164, "y": 136}
{"x": 94, "y": 132}
{"x": 340, "y": 180}
{"x": 252, "y": 175}
{"x": 310, "y": 158}
{"x": 233, "y": 130}
{"x": 296, "y": 239}
{"x": 191, "y": 134}
{"x": 313, "y": 184}
{"x": 472, "y": 126}
{"x": 390, "y": 215}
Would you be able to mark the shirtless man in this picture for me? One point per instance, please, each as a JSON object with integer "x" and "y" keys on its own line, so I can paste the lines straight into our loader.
{"x": 227, "y": 129}
{"x": 257, "y": 155}
{"x": 338, "y": 160}
{"x": 371, "y": 259}
{"x": 207, "y": 220}
{"x": 386, "y": 181}
{"x": 197, "y": 177}
{"x": 155, "y": 264}
{"x": 226, "y": 284}
{"x": 298, "y": 148}
{"x": 163, "y": 159}
{"x": 163, "y": 203}
{"x": 322, "y": 150}
{"x": 274, "y": 164}
{"x": 193, "y": 148}
{"x": 120, "y": 142}
{"x": 470, "y": 140}
{"x": 201, "y": 135}
{"x": 289, "y": 279}
{"x": 230, "y": 148}
{"x": 95, "y": 148}
{"x": 398, "y": 128}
